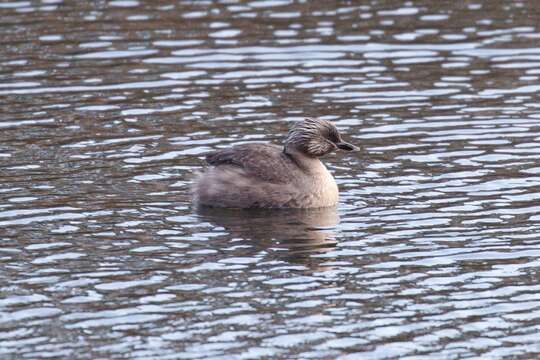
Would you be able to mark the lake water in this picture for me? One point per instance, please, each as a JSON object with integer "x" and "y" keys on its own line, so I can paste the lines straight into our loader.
{"x": 107, "y": 106}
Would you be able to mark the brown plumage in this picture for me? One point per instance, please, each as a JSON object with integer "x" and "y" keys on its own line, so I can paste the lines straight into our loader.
{"x": 271, "y": 176}
{"x": 266, "y": 162}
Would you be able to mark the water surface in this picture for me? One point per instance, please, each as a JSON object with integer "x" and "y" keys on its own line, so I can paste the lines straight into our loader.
{"x": 107, "y": 107}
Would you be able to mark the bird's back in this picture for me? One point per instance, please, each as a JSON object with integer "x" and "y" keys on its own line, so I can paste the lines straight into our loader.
{"x": 266, "y": 162}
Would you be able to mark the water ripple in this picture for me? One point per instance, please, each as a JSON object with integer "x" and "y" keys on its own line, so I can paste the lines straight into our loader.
{"x": 108, "y": 111}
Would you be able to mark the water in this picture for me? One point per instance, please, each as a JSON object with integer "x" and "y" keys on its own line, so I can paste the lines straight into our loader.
{"x": 108, "y": 106}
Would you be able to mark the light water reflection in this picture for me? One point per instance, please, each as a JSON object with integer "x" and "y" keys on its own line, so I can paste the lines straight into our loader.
{"x": 292, "y": 235}
{"x": 107, "y": 108}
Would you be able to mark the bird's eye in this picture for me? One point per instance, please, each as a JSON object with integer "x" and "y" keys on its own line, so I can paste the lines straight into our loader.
{"x": 333, "y": 136}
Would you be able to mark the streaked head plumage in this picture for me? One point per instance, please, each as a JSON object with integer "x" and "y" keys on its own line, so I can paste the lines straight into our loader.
{"x": 316, "y": 137}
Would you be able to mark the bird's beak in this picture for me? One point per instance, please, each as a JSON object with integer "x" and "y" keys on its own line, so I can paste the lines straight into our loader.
{"x": 346, "y": 146}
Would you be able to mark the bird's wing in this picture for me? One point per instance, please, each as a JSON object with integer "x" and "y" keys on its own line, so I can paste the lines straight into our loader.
{"x": 264, "y": 161}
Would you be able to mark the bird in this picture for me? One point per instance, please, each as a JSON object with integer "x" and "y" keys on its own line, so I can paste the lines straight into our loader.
{"x": 268, "y": 176}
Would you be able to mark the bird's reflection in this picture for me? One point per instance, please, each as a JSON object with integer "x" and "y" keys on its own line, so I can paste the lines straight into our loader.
{"x": 292, "y": 235}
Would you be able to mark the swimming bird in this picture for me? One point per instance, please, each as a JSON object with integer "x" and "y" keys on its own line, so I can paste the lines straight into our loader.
{"x": 270, "y": 176}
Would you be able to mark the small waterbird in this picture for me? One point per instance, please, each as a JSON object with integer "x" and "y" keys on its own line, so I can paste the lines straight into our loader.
{"x": 270, "y": 176}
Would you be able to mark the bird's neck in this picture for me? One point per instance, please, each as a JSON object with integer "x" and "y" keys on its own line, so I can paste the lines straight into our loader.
{"x": 303, "y": 161}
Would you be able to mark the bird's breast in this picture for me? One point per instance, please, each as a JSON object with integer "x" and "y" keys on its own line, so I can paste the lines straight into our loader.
{"x": 324, "y": 190}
